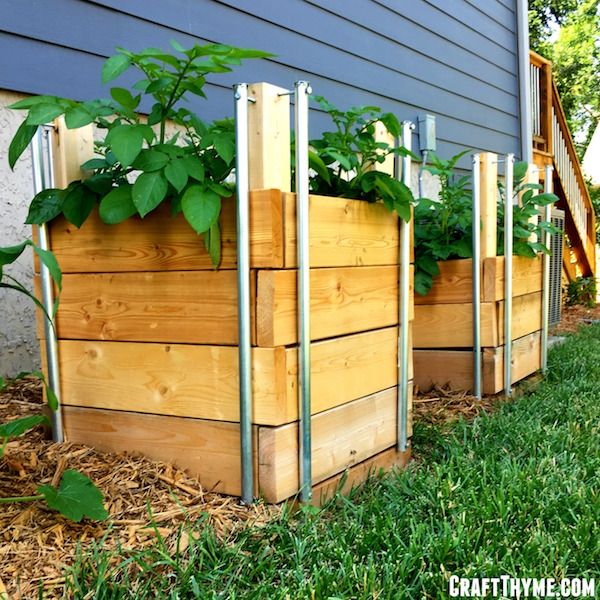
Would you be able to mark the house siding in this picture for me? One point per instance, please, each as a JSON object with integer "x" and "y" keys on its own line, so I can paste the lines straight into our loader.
{"x": 451, "y": 59}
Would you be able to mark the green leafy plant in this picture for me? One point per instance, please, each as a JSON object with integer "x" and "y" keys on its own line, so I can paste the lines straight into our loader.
{"x": 139, "y": 165}
{"x": 443, "y": 227}
{"x": 527, "y": 234}
{"x": 344, "y": 162}
{"x": 76, "y": 495}
{"x": 581, "y": 291}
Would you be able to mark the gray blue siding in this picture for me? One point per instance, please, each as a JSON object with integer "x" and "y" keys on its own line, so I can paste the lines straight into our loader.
{"x": 450, "y": 58}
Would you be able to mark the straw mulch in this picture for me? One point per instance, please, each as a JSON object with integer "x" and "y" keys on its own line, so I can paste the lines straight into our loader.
{"x": 574, "y": 316}
{"x": 37, "y": 543}
{"x": 442, "y": 405}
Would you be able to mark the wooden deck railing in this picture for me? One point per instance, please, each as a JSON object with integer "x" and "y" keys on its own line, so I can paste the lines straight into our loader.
{"x": 552, "y": 143}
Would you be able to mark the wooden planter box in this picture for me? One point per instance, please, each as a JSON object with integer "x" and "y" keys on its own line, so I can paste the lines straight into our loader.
{"x": 148, "y": 331}
{"x": 443, "y": 325}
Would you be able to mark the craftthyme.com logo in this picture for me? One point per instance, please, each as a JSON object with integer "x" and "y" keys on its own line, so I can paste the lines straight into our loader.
{"x": 520, "y": 587}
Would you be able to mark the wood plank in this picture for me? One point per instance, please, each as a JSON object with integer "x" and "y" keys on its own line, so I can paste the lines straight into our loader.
{"x": 343, "y": 232}
{"x": 489, "y": 203}
{"x": 344, "y": 369}
{"x": 341, "y": 437}
{"x": 202, "y": 381}
{"x": 451, "y": 325}
{"x": 209, "y": 450}
{"x": 269, "y": 137}
{"x": 526, "y": 316}
{"x": 352, "y": 477}
{"x": 455, "y": 367}
{"x": 160, "y": 242}
{"x": 527, "y": 277}
{"x": 70, "y": 149}
{"x": 526, "y": 358}
{"x": 176, "y": 379}
{"x": 453, "y": 285}
{"x": 343, "y": 300}
{"x": 196, "y": 307}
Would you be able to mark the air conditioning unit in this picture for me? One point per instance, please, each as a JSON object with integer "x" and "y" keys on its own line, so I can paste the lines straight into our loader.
{"x": 556, "y": 260}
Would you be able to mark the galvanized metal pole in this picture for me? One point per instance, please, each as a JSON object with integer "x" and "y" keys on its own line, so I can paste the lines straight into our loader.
{"x": 476, "y": 235}
{"x": 301, "y": 93}
{"x": 43, "y": 177}
{"x": 243, "y": 283}
{"x": 548, "y": 188}
{"x": 404, "y": 301}
{"x": 508, "y": 272}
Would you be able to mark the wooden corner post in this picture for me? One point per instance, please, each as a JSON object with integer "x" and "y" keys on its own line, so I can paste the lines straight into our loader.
{"x": 269, "y": 137}
{"x": 70, "y": 149}
{"x": 383, "y": 135}
{"x": 489, "y": 204}
{"x": 533, "y": 176}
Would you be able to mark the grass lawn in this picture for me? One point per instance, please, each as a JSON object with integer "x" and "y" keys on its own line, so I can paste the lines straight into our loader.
{"x": 514, "y": 492}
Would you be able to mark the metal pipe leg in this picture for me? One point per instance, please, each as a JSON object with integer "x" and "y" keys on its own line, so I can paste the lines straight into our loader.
{"x": 243, "y": 284}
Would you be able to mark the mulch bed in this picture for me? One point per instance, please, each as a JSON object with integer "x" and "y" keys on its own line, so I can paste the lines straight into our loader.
{"x": 573, "y": 317}
{"x": 36, "y": 543}
{"x": 442, "y": 405}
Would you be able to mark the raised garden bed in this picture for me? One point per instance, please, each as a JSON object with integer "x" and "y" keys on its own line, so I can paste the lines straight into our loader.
{"x": 443, "y": 325}
{"x": 147, "y": 332}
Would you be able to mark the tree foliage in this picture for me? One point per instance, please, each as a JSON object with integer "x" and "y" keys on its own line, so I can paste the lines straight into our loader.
{"x": 575, "y": 56}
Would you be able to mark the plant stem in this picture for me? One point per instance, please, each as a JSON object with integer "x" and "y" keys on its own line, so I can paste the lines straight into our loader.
{"x": 16, "y": 499}
{"x": 172, "y": 99}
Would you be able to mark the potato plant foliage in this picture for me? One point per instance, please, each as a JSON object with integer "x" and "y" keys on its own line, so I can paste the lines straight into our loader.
{"x": 443, "y": 227}
{"x": 344, "y": 161}
{"x": 139, "y": 165}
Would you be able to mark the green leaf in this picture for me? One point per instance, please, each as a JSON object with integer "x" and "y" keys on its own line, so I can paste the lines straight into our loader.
{"x": 94, "y": 163}
{"x": 30, "y": 102}
{"x": 45, "y": 206}
{"x": 77, "y": 117}
{"x": 20, "y": 426}
{"x": 2, "y": 383}
{"x": 519, "y": 170}
{"x": 20, "y": 142}
{"x": 114, "y": 66}
{"x": 212, "y": 242}
{"x": 201, "y": 207}
{"x": 194, "y": 167}
{"x": 125, "y": 98}
{"x": 316, "y": 164}
{"x": 403, "y": 211}
{"x": 79, "y": 204}
{"x": 44, "y": 113}
{"x": 148, "y": 192}
{"x": 176, "y": 174}
{"x": 545, "y": 199}
{"x": 100, "y": 183}
{"x": 150, "y": 160}
{"x": 9, "y": 254}
{"x": 49, "y": 261}
{"x": 429, "y": 265}
{"x": 423, "y": 283}
{"x": 76, "y": 497}
{"x": 126, "y": 142}
{"x": 342, "y": 160}
{"x": 224, "y": 144}
{"x": 117, "y": 205}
